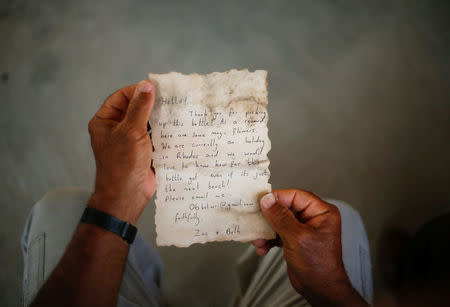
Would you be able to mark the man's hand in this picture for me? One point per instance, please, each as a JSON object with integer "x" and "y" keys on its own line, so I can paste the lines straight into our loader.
{"x": 309, "y": 231}
{"x": 123, "y": 152}
{"x": 91, "y": 269}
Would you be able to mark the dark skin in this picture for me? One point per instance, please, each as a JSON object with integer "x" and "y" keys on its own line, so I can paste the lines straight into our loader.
{"x": 91, "y": 269}
{"x": 310, "y": 235}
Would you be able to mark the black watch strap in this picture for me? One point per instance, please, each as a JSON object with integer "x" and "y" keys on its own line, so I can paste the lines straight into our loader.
{"x": 101, "y": 219}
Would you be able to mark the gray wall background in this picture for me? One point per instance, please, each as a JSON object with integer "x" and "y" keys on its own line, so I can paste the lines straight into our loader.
{"x": 359, "y": 106}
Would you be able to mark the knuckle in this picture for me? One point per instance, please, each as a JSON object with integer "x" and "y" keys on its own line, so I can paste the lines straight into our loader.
{"x": 308, "y": 192}
{"x": 91, "y": 126}
{"x": 334, "y": 210}
{"x": 282, "y": 217}
{"x": 138, "y": 103}
{"x": 278, "y": 212}
{"x": 132, "y": 134}
{"x": 141, "y": 100}
{"x": 334, "y": 214}
{"x": 311, "y": 195}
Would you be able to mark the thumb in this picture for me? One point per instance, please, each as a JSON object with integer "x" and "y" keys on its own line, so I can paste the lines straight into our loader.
{"x": 141, "y": 105}
{"x": 280, "y": 218}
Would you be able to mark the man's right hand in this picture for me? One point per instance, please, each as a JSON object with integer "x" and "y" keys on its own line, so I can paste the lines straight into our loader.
{"x": 310, "y": 235}
{"x": 124, "y": 181}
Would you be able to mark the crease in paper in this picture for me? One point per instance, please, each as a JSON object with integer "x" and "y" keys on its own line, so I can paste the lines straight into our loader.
{"x": 211, "y": 142}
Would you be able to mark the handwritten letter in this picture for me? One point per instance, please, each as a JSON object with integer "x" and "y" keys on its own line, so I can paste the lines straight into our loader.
{"x": 210, "y": 141}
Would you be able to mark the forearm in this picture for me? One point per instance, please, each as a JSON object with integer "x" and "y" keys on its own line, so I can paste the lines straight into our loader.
{"x": 90, "y": 271}
{"x": 336, "y": 295}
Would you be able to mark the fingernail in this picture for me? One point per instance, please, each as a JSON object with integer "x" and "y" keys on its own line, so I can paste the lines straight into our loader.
{"x": 268, "y": 200}
{"x": 144, "y": 87}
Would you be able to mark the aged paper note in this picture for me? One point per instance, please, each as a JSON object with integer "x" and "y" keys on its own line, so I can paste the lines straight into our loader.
{"x": 210, "y": 141}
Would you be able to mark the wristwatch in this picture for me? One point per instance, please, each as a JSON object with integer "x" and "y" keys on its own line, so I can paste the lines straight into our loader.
{"x": 103, "y": 220}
